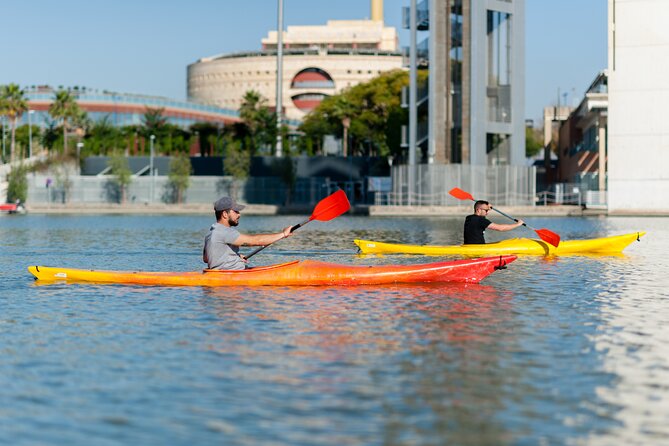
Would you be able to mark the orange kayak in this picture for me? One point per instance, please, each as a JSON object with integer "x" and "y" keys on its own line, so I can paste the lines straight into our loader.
{"x": 296, "y": 273}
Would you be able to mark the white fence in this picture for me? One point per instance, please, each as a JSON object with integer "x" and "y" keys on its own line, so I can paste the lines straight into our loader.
{"x": 202, "y": 189}
{"x": 429, "y": 184}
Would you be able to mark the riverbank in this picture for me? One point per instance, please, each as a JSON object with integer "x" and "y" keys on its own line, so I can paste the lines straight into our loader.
{"x": 263, "y": 209}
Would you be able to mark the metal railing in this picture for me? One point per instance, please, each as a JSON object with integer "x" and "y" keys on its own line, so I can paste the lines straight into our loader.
{"x": 588, "y": 198}
{"x": 77, "y": 189}
{"x": 429, "y": 184}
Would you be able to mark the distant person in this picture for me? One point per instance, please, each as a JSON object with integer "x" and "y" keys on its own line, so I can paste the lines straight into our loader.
{"x": 476, "y": 223}
{"x": 221, "y": 244}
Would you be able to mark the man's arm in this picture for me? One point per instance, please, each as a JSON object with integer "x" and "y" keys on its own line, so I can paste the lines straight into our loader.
{"x": 504, "y": 228}
{"x": 261, "y": 239}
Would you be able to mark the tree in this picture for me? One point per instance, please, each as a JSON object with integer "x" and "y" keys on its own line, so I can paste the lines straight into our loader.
{"x": 65, "y": 108}
{"x": 533, "y": 144}
{"x": 154, "y": 122}
{"x": 208, "y": 134}
{"x": 259, "y": 120}
{"x": 17, "y": 187}
{"x": 119, "y": 167}
{"x": 237, "y": 163}
{"x": 12, "y": 104}
{"x": 179, "y": 175}
{"x": 103, "y": 137}
{"x": 369, "y": 112}
{"x": 49, "y": 135}
{"x": 22, "y": 139}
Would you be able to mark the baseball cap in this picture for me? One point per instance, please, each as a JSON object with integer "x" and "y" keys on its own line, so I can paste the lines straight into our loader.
{"x": 225, "y": 203}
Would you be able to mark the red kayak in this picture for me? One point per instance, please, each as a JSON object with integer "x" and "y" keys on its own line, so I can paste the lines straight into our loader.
{"x": 296, "y": 273}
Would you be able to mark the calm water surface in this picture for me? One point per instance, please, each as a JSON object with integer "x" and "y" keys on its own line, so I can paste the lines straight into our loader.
{"x": 571, "y": 350}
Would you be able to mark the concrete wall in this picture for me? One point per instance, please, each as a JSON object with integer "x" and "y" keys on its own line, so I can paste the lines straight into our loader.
{"x": 638, "y": 144}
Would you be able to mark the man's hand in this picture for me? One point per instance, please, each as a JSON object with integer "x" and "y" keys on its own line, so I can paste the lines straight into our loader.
{"x": 286, "y": 231}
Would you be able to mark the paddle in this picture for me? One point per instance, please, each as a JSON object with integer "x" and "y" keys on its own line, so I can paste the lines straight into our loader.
{"x": 545, "y": 235}
{"x": 328, "y": 208}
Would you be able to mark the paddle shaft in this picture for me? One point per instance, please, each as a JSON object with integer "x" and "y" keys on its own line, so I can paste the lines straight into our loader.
{"x": 514, "y": 219}
{"x": 297, "y": 226}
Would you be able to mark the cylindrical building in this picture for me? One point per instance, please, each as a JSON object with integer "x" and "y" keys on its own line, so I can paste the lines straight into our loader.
{"x": 318, "y": 61}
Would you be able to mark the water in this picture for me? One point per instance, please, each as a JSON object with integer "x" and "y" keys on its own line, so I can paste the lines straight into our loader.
{"x": 571, "y": 350}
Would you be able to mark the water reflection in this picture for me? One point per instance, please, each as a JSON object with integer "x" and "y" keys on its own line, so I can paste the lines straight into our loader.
{"x": 428, "y": 350}
{"x": 550, "y": 351}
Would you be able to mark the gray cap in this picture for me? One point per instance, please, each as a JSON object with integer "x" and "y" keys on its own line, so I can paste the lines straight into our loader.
{"x": 225, "y": 203}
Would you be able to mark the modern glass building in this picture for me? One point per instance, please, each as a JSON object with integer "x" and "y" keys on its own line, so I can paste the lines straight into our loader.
{"x": 122, "y": 109}
{"x": 472, "y": 109}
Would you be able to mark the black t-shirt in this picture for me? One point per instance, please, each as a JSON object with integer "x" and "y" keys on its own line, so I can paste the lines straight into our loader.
{"x": 474, "y": 227}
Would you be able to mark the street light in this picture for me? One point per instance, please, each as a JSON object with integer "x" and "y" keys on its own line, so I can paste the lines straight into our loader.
{"x": 30, "y": 134}
{"x": 152, "y": 137}
{"x": 80, "y": 145}
{"x": 279, "y": 80}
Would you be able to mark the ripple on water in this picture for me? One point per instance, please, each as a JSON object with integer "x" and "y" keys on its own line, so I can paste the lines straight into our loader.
{"x": 551, "y": 350}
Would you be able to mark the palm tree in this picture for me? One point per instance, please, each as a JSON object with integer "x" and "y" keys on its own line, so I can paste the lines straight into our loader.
{"x": 65, "y": 108}
{"x": 12, "y": 104}
{"x": 259, "y": 120}
{"x": 153, "y": 121}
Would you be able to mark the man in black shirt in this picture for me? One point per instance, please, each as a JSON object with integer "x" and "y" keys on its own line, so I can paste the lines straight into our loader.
{"x": 476, "y": 223}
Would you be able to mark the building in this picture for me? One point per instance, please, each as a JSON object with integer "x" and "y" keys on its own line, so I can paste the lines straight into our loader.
{"x": 318, "y": 61}
{"x": 467, "y": 121}
{"x": 475, "y": 93}
{"x": 582, "y": 140}
{"x": 638, "y": 137}
{"x": 122, "y": 109}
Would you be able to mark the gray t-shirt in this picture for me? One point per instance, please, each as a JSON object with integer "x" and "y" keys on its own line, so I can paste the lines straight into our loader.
{"x": 219, "y": 253}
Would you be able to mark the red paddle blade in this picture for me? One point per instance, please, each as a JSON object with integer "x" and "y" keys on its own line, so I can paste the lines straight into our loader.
{"x": 548, "y": 236}
{"x": 331, "y": 207}
{"x": 460, "y": 194}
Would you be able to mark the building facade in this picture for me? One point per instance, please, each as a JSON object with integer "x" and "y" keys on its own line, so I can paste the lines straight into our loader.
{"x": 123, "y": 109}
{"x": 318, "y": 61}
{"x": 638, "y": 139}
{"x": 475, "y": 54}
{"x": 582, "y": 140}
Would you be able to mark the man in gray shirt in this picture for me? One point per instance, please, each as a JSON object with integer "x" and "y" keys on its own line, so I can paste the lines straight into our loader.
{"x": 221, "y": 244}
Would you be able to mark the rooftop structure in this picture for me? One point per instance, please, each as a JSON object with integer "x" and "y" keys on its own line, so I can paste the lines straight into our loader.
{"x": 363, "y": 34}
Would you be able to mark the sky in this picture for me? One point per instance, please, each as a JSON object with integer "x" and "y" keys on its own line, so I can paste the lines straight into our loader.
{"x": 144, "y": 46}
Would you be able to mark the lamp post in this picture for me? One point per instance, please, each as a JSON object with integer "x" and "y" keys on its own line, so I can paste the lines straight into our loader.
{"x": 80, "y": 145}
{"x": 279, "y": 80}
{"x": 346, "y": 123}
{"x": 30, "y": 134}
{"x": 152, "y": 137}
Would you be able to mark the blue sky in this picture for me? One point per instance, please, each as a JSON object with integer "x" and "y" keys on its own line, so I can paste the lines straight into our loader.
{"x": 144, "y": 46}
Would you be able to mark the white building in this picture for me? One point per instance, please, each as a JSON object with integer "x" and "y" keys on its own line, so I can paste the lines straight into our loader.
{"x": 638, "y": 133}
{"x": 318, "y": 61}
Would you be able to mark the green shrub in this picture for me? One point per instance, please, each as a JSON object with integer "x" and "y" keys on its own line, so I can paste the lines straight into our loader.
{"x": 17, "y": 188}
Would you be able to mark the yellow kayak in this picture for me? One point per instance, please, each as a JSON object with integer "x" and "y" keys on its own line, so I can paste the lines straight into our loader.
{"x": 604, "y": 245}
